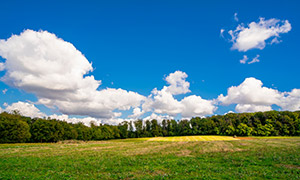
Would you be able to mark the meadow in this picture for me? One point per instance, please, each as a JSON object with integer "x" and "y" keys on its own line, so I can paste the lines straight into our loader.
{"x": 185, "y": 157}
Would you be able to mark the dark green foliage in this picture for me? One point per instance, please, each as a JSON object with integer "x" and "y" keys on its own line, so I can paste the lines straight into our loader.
{"x": 46, "y": 131}
{"x": 17, "y": 128}
{"x": 123, "y": 128}
{"x": 13, "y": 129}
{"x": 155, "y": 128}
{"x": 138, "y": 128}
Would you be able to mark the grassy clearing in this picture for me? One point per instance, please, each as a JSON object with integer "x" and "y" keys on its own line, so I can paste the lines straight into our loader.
{"x": 147, "y": 158}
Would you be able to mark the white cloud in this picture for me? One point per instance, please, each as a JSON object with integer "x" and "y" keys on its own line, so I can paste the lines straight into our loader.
{"x": 99, "y": 104}
{"x": 4, "y": 91}
{"x": 228, "y": 112}
{"x": 25, "y": 109}
{"x": 159, "y": 118}
{"x": 251, "y": 91}
{"x": 86, "y": 120}
{"x": 163, "y": 101}
{"x": 291, "y": 100}
{"x": 254, "y": 35}
{"x": 252, "y": 108}
{"x": 251, "y": 96}
{"x": 222, "y": 33}
{"x": 275, "y": 41}
{"x": 244, "y": 60}
{"x": 137, "y": 112}
{"x": 2, "y": 66}
{"x": 196, "y": 106}
{"x": 254, "y": 60}
{"x": 54, "y": 70}
{"x": 178, "y": 84}
{"x": 235, "y": 17}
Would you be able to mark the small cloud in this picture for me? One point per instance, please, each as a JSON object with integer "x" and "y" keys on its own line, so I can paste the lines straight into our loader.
{"x": 228, "y": 112}
{"x": 254, "y": 60}
{"x": 275, "y": 41}
{"x": 4, "y": 91}
{"x": 244, "y": 60}
{"x": 255, "y": 34}
{"x": 222, "y": 33}
{"x": 235, "y": 17}
{"x": 2, "y": 66}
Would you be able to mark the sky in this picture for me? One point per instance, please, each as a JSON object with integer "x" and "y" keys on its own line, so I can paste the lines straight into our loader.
{"x": 109, "y": 61}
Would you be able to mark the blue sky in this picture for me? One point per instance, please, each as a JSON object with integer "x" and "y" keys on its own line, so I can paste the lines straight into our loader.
{"x": 135, "y": 45}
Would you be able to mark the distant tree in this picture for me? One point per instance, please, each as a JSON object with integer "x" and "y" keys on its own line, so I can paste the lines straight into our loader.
{"x": 131, "y": 133}
{"x": 155, "y": 128}
{"x": 184, "y": 128}
{"x": 84, "y": 132}
{"x": 138, "y": 128}
{"x": 13, "y": 130}
{"x": 148, "y": 128}
{"x": 123, "y": 128}
{"x": 244, "y": 130}
{"x": 69, "y": 131}
{"x": 164, "y": 128}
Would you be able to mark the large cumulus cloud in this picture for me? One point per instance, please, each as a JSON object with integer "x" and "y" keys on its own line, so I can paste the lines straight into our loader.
{"x": 163, "y": 101}
{"x": 55, "y": 71}
{"x": 252, "y": 96}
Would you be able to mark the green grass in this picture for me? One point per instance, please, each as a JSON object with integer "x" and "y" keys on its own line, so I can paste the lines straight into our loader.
{"x": 193, "y": 138}
{"x": 147, "y": 158}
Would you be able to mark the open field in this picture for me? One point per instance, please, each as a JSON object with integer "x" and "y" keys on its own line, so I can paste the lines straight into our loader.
{"x": 190, "y": 157}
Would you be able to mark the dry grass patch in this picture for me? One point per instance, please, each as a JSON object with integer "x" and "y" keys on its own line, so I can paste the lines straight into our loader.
{"x": 289, "y": 166}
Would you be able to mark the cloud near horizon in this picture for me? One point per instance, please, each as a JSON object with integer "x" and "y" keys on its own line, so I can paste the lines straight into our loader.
{"x": 40, "y": 63}
{"x": 251, "y": 96}
{"x": 56, "y": 72}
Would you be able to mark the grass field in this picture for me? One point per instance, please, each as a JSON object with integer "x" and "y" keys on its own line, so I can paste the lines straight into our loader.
{"x": 190, "y": 157}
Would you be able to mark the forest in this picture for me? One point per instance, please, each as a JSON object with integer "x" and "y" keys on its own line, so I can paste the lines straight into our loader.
{"x": 15, "y": 128}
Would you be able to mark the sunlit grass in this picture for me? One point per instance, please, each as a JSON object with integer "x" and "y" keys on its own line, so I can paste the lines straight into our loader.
{"x": 189, "y": 157}
{"x": 274, "y": 137}
{"x": 193, "y": 138}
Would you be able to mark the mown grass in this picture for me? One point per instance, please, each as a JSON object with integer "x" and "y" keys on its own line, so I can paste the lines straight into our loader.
{"x": 146, "y": 158}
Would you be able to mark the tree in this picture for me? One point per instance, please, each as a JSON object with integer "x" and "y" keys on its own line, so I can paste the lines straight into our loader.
{"x": 138, "y": 128}
{"x": 42, "y": 131}
{"x": 123, "y": 128}
{"x": 13, "y": 130}
{"x": 244, "y": 130}
{"x": 184, "y": 127}
{"x": 155, "y": 128}
{"x": 84, "y": 132}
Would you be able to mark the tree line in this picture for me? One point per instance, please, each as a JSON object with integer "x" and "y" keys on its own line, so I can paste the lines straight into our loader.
{"x": 17, "y": 128}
